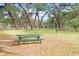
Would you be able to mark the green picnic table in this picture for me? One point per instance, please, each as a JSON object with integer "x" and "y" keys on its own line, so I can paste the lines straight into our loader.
{"x": 33, "y": 37}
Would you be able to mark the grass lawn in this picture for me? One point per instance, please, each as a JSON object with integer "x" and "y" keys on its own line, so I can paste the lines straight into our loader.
{"x": 62, "y": 43}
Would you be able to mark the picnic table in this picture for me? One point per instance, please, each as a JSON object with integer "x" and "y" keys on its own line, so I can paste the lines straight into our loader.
{"x": 33, "y": 37}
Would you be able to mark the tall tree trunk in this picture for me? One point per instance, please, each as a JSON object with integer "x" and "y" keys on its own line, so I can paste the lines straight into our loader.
{"x": 55, "y": 25}
{"x": 36, "y": 15}
{"x": 27, "y": 16}
{"x": 42, "y": 20}
{"x": 35, "y": 21}
{"x": 38, "y": 22}
{"x": 13, "y": 20}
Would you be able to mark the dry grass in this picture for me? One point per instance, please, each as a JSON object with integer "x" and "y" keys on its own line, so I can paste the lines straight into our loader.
{"x": 54, "y": 44}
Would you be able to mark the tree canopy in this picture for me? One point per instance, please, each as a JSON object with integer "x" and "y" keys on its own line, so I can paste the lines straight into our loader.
{"x": 40, "y": 15}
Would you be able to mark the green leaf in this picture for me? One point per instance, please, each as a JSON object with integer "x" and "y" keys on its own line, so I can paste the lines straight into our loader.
{"x": 1, "y": 15}
{"x": 41, "y": 6}
{"x": 11, "y": 8}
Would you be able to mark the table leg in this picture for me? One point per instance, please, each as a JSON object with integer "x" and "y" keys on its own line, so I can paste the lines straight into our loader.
{"x": 19, "y": 43}
{"x": 40, "y": 41}
{"x": 19, "y": 39}
{"x": 38, "y": 37}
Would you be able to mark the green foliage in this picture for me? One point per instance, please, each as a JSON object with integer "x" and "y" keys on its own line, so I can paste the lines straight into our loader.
{"x": 50, "y": 22}
{"x": 1, "y": 15}
{"x": 11, "y": 7}
{"x": 76, "y": 7}
{"x": 75, "y": 22}
{"x": 70, "y": 17}
{"x": 41, "y": 6}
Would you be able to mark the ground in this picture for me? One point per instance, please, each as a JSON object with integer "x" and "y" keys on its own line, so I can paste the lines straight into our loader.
{"x": 59, "y": 44}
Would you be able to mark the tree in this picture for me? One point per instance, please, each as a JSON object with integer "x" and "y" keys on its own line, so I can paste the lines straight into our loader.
{"x": 40, "y": 7}
{"x": 27, "y": 16}
{"x": 9, "y": 8}
{"x": 60, "y": 12}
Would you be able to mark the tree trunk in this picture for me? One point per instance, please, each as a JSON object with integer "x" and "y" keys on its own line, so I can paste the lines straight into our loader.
{"x": 36, "y": 18}
{"x": 27, "y": 16}
{"x": 40, "y": 23}
{"x": 13, "y": 20}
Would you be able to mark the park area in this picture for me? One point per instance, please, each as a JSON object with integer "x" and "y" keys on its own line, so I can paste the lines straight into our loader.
{"x": 54, "y": 44}
{"x": 39, "y": 29}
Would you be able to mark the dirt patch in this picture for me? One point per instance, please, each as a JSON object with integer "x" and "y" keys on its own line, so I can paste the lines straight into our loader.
{"x": 51, "y": 45}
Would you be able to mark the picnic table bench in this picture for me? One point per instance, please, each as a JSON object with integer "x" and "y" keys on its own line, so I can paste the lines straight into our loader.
{"x": 33, "y": 37}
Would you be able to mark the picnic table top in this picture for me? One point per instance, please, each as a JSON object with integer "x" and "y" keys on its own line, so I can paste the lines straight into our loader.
{"x": 28, "y": 34}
